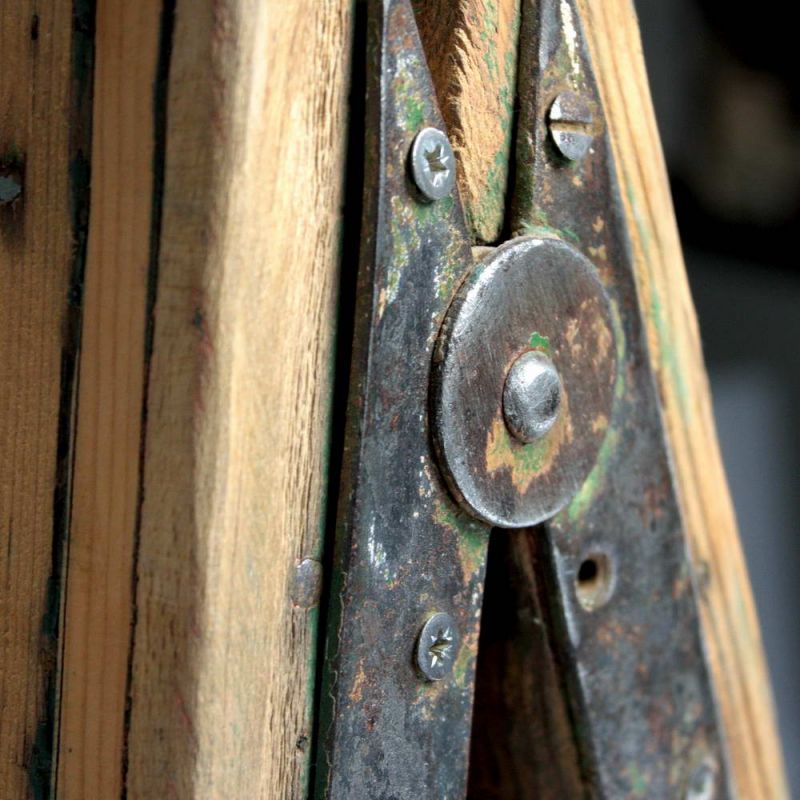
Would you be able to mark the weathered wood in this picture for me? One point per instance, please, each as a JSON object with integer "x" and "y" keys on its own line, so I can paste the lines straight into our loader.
{"x": 523, "y": 745}
{"x": 38, "y": 134}
{"x": 238, "y": 398}
{"x": 99, "y": 584}
{"x": 728, "y": 614}
{"x": 471, "y": 46}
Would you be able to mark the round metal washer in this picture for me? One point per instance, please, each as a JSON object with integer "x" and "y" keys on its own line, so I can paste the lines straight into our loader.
{"x": 529, "y": 294}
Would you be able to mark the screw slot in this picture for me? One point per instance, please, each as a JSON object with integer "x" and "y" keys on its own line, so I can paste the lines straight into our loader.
{"x": 594, "y": 583}
{"x": 570, "y": 124}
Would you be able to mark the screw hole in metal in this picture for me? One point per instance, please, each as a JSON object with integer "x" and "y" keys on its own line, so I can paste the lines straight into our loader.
{"x": 594, "y": 583}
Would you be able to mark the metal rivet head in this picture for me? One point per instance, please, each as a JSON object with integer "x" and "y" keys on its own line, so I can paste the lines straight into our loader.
{"x": 307, "y": 584}
{"x": 433, "y": 164}
{"x": 570, "y": 124}
{"x": 437, "y": 647}
{"x": 10, "y": 189}
{"x": 532, "y": 396}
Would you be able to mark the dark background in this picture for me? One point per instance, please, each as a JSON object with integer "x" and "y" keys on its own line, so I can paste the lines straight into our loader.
{"x": 726, "y": 87}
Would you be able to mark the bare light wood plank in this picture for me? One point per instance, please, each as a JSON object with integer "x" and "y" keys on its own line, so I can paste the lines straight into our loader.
{"x": 99, "y": 584}
{"x": 36, "y": 264}
{"x": 238, "y": 401}
{"x": 471, "y": 46}
{"x": 728, "y": 614}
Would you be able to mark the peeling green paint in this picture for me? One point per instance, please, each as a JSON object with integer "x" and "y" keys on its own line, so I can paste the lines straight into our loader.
{"x": 594, "y": 482}
{"x": 473, "y": 545}
{"x": 450, "y": 271}
{"x": 464, "y": 668}
{"x": 405, "y": 241}
{"x": 539, "y": 341}
{"x": 669, "y": 359}
{"x": 525, "y": 462}
{"x": 644, "y": 230}
{"x": 639, "y": 782}
{"x": 539, "y": 227}
{"x": 473, "y": 536}
{"x": 410, "y": 102}
{"x": 593, "y": 485}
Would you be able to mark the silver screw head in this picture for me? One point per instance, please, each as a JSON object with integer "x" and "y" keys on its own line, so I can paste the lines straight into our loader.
{"x": 570, "y": 124}
{"x": 437, "y": 646}
{"x": 433, "y": 164}
{"x": 702, "y": 785}
{"x": 531, "y": 396}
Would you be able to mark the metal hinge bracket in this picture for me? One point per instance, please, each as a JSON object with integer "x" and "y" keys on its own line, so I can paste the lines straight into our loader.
{"x": 510, "y": 393}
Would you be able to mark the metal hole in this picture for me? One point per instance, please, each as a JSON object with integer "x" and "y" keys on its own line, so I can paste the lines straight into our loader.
{"x": 594, "y": 582}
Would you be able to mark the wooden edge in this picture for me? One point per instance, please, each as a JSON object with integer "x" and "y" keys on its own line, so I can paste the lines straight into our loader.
{"x": 238, "y": 399}
{"x": 728, "y": 614}
{"x": 99, "y": 571}
{"x": 524, "y": 744}
{"x": 471, "y": 47}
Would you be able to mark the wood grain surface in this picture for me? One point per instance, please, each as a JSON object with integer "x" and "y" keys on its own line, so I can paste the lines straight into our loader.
{"x": 37, "y": 255}
{"x": 730, "y": 625}
{"x": 99, "y": 584}
{"x": 238, "y": 400}
{"x": 523, "y": 744}
{"x": 471, "y": 46}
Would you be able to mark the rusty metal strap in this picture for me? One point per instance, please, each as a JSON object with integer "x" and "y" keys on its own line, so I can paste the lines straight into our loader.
{"x": 433, "y": 457}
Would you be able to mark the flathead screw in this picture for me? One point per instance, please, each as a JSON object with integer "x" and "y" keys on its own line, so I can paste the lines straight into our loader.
{"x": 531, "y": 396}
{"x": 437, "y": 646}
{"x": 570, "y": 124}
{"x": 433, "y": 164}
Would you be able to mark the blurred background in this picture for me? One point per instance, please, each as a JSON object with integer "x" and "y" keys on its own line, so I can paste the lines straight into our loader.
{"x": 726, "y": 88}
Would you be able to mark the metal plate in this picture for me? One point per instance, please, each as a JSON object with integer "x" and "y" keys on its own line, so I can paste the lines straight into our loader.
{"x": 617, "y": 573}
{"x": 627, "y": 636}
{"x": 404, "y": 550}
{"x": 529, "y": 294}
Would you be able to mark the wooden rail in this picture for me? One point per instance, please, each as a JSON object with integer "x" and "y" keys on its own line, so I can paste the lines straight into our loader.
{"x": 108, "y": 440}
{"x": 238, "y": 399}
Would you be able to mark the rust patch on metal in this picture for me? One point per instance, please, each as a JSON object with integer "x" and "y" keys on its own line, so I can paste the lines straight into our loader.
{"x": 404, "y": 550}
